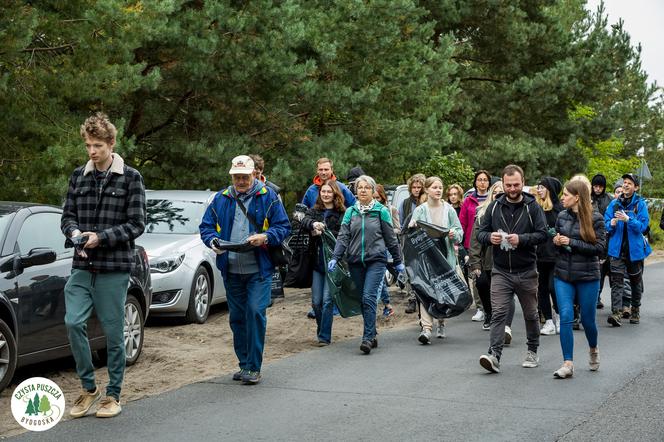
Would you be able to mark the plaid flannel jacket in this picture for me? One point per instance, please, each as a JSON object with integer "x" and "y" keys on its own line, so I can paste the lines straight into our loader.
{"x": 116, "y": 214}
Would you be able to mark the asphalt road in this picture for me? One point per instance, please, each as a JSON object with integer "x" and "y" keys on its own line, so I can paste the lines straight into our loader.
{"x": 406, "y": 391}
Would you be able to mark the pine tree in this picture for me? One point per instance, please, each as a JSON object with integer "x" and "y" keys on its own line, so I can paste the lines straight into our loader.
{"x": 31, "y": 408}
{"x": 36, "y": 403}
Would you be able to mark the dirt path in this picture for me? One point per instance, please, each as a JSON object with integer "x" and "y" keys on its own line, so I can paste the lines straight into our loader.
{"x": 176, "y": 354}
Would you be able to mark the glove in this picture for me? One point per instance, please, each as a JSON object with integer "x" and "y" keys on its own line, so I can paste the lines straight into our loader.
{"x": 331, "y": 265}
{"x": 215, "y": 249}
{"x": 401, "y": 268}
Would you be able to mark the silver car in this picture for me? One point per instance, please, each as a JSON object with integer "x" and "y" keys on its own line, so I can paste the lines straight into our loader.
{"x": 185, "y": 279}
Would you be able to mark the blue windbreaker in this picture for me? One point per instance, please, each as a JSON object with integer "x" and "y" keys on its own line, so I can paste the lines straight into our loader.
{"x": 266, "y": 210}
{"x": 638, "y": 222}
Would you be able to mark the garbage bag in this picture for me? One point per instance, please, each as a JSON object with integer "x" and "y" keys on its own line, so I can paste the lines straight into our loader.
{"x": 436, "y": 284}
{"x": 300, "y": 268}
{"x": 342, "y": 288}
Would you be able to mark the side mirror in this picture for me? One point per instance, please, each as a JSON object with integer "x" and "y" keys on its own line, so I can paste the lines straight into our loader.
{"x": 38, "y": 256}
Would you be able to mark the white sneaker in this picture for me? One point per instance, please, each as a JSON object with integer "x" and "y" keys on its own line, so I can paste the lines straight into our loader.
{"x": 425, "y": 337}
{"x": 478, "y": 316}
{"x": 508, "y": 335}
{"x": 531, "y": 360}
{"x": 440, "y": 330}
{"x": 549, "y": 328}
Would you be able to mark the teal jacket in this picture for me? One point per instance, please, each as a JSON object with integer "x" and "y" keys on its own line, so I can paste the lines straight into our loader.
{"x": 366, "y": 237}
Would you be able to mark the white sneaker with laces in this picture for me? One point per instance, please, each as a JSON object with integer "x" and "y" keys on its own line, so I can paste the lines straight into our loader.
{"x": 440, "y": 330}
{"x": 425, "y": 337}
{"x": 549, "y": 328}
{"x": 531, "y": 360}
{"x": 478, "y": 316}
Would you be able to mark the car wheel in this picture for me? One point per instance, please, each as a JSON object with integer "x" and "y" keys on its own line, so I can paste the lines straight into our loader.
{"x": 8, "y": 355}
{"x": 200, "y": 296}
{"x": 133, "y": 329}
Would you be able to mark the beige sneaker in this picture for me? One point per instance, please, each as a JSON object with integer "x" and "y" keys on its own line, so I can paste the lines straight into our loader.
{"x": 108, "y": 407}
{"x": 566, "y": 371}
{"x": 594, "y": 360}
{"x": 84, "y": 402}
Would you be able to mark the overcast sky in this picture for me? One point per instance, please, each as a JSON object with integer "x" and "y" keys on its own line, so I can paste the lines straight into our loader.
{"x": 644, "y": 21}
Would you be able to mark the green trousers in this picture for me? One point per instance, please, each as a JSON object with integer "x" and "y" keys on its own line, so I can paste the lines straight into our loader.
{"x": 106, "y": 292}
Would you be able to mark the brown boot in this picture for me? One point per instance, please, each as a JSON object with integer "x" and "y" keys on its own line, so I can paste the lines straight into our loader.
{"x": 626, "y": 312}
{"x": 634, "y": 318}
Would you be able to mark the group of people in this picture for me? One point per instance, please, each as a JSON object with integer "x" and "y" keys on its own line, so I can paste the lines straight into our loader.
{"x": 551, "y": 250}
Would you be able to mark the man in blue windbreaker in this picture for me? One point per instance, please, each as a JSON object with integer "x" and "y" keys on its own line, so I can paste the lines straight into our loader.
{"x": 627, "y": 220}
{"x": 246, "y": 212}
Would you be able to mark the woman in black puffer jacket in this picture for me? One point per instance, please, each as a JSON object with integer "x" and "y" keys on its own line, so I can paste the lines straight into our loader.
{"x": 548, "y": 190}
{"x": 327, "y": 213}
{"x": 580, "y": 241}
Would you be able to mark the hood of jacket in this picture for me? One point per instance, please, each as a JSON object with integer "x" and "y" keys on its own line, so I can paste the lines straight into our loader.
{"x": 599, "y": 180}
{"x": 554, "y": 186}
{"x": 317, "y": 181}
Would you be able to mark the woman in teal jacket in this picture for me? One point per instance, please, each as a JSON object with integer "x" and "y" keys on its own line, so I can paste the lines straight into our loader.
{"x": 365, "y": 236}
{"x": 438, "y": 212}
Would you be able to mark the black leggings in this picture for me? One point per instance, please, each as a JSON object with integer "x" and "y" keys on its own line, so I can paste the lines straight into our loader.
{"x": 545, "y": 292}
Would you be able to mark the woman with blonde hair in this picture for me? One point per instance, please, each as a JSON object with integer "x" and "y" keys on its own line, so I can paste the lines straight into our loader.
{"x": 547, "y": 197}
{"x": 455, "y": 197}
{"x": 436, "y": 211}
{"x": 580, "y": 241}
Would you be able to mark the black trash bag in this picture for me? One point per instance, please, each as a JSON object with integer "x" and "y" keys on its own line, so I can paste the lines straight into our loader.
{"x": 342, "y": 288}
{"x": 277, "y": 285}
{"x": 436, "y": 284}
{"x": 300, "y": 269}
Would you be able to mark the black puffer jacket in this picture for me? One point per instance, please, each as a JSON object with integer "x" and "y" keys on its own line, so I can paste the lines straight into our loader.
{"x": 546, "y": 252}
{"x": 582, "y": 263}
{"x": 332, "y": 220}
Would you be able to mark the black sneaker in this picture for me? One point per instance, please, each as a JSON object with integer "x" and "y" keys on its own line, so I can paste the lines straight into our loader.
{"x": 366, "y": 346}
{"x": 311, "y": 314}
{"x": 600, "y": 305}
{"x": 374, "y": 343}
{"x": 412, "y": 306}
{"x": 251, "y": 377}
{"x": 237, "y": 376}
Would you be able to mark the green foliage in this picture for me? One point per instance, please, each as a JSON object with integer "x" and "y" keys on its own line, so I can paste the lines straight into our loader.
{"x": 386, "y": 84}
{"x": 44, "y": 405}
{"x": 656, "y": 234}
{"x": 605, "y": 157}
{"x": 452, "y": 169}
{"x": 30, "y": 410}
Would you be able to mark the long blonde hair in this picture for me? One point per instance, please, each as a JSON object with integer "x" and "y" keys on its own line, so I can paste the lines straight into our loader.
{"x": 545, "y": 203}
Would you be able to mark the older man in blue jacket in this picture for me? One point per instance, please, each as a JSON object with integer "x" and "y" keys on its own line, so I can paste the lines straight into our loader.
{"x": 627, "y": 220}
{"x": 246, "y": 212}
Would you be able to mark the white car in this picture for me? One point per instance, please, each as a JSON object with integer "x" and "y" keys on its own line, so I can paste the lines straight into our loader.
{"x": 185, "y": 278}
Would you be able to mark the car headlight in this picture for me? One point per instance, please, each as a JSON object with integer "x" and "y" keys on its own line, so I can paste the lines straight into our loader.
{"x": 166, "y": 264}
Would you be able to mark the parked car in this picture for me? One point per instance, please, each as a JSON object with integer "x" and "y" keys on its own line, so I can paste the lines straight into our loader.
{"x": 34, "y": 267}
{"x": 185, "y": 278}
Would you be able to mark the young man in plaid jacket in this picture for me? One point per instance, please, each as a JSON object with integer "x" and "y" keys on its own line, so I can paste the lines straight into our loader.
{"x": 103, "y": 214}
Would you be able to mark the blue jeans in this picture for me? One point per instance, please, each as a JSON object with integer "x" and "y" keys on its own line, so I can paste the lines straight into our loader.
{"x": 586, "y": 296}
{"x": 248, "y": 297}
{"x": 321, "y": 301}
{"x": 367, "y": 280}
{"x": 383, "y": 294}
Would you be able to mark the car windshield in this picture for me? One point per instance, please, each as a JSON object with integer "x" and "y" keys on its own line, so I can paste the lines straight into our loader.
{"x": 173, "y": 216}
{"x": 5, "y": 219}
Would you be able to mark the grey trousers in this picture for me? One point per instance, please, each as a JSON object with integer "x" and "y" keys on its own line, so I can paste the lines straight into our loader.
{"x": 503, "y": 287}
{"x": 634, "y": 271}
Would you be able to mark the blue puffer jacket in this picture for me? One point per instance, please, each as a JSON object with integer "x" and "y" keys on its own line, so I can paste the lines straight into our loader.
{"x": 266, "y": 210}
{"x": 638, "y": 222}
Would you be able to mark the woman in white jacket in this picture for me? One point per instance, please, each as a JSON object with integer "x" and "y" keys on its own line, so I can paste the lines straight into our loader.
{"x": 437, "y": 211}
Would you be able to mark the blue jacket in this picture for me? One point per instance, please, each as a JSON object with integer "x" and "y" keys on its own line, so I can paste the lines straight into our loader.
{"x": 266, "y": 210}
{"x": 638, "y": 222}
{"x": 312, "y": 193}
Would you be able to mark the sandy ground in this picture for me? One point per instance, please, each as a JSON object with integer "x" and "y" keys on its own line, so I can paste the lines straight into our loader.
{"x": 176, "y": 354}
